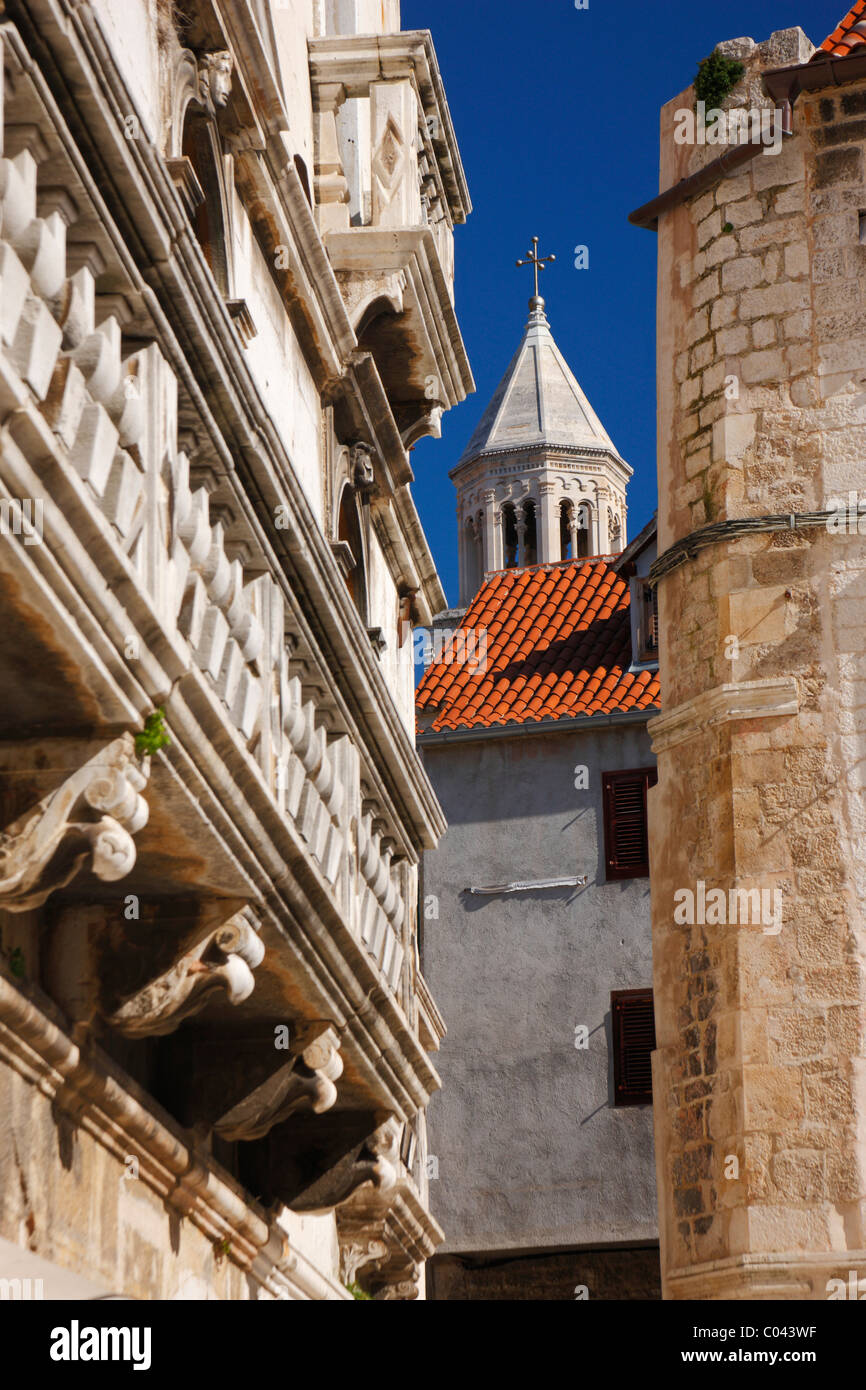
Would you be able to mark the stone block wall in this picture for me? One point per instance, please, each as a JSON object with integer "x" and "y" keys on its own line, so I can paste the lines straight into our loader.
{"x": 759, "y": 1083}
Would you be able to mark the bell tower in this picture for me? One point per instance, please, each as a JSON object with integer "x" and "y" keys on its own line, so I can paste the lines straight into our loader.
{"x": 540, "y": 480}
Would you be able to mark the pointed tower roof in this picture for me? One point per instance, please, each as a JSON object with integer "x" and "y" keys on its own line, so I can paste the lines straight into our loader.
{"x": 538, "y": 402}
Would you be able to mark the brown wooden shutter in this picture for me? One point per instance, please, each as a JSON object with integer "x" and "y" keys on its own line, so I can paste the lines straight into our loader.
{"x": 634, "y": 1040}
{"x": 625, "y": 822}
{"x": 653, "y": 619}
{"x": 648, "y": 640}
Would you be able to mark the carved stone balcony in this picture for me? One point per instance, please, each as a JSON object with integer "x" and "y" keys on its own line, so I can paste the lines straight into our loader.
{"x": 397, "y": 296}
{"x": 387, "y": 218}
{"x": 175, "y": 913}
{"x": 148, "y": 586}
{"x": 414, "y": 160}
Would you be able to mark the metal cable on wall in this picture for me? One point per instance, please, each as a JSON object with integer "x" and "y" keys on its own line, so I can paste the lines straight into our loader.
{"x": 688, "y": 547}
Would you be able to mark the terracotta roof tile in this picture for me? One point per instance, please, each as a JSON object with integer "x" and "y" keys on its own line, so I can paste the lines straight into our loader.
{"x": 849, "y": 34}
{"x": 558, "y": 644}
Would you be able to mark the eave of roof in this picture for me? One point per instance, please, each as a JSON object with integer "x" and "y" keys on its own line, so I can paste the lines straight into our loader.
{"x": 545, "y": 643}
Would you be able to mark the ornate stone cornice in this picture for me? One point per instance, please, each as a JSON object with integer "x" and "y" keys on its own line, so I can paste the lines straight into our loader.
{"x": 762, "y": 699}
{"x": 89, "y": 819}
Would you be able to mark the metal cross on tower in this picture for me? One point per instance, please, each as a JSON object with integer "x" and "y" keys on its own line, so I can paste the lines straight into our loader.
{"x": 537, "y": 262}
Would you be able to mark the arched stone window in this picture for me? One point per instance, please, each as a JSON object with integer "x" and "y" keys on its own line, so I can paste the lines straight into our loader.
{"x": 350, "y": 533}
{"x": 530, "y": 534}
{"x": 200, "y": 92}
{"x": 201, "y": 146}
{"x": 566, "y": 526}
{"x": 584, "y": 530}
{"x": 509, "y": 535}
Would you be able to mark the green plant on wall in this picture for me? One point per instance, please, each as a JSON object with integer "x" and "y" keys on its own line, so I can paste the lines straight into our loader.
{"x": 153, "y": 736}
{"x": 717, "y": 77}
{"x": 358, "y": 1293}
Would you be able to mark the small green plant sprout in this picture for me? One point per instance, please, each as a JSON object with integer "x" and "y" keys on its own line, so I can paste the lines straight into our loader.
{"x": 153, "y": 736}
{"x": 16, "y": 962}
{"x": 728, "y": 227}
{"x": 358, "y": 1293}
{"x": 717, "y": 77}
{"x": 223, "y": 1249}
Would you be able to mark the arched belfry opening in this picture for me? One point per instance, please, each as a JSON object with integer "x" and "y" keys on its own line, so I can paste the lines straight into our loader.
{"x": 584, "y": 531}
{"x": 529, "y": 548}
{"x": 509, "y": 535}
{"x": 566, "y": 530}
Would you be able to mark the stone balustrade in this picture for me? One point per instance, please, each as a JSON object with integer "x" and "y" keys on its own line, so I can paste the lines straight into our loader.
{"x": 113, "y": 418}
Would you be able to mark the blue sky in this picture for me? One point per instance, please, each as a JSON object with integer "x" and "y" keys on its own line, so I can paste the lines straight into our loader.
{"x": 556, "y": 112}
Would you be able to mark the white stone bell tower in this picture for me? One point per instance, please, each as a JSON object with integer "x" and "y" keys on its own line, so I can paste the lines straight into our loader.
{"x": 540, "y": 480}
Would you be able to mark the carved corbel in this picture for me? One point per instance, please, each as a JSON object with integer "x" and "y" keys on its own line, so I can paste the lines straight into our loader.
{"x": 359, "y": 1252}
{"x": 223, "y": 960}
{"x": 307, "y": 1081}
{"x": 361, "y": 465}
{"x": 375, "y": 1161}
{"x": 398, "y": 1285}
{"x": 215, "y": 77}
{"x": 91, "y": 817}
{"x": 417, "y": 419}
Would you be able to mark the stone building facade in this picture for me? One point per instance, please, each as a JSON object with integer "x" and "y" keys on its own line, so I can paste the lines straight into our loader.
{"x": 226, "y": 312}
{"x": 536, "y": 923}
{"x": 760, "y": 1073}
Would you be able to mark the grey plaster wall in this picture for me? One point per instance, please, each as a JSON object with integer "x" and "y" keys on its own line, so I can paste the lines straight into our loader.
{"x": 531, "y": 1151}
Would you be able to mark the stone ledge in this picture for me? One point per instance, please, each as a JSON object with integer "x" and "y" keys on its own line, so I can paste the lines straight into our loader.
{"x": 764, "y": 699}
{"x": 778, "y": 1276}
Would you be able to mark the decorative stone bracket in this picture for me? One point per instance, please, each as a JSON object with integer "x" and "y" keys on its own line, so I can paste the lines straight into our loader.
{"x": 375, "y": 1161}
{"x": 359, "y": 1252}
{"x": 91, "y": 817}
{"x": 307, "y": 1080}
{"x": 385, "y": 1231}
{"x": 223, "y": 960}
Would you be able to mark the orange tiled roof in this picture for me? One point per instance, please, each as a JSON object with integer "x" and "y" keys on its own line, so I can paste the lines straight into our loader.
{"x": 558, "y": 646}
{"x": 850, "y": 33}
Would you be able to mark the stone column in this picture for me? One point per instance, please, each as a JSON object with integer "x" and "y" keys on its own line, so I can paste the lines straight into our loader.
{"x": 492, "y": 532}
{"x": 331, "y": 187}
{"x": 602, "y": 536}
{"x": 758, "y": 886}
{"x": 547, "y": 524}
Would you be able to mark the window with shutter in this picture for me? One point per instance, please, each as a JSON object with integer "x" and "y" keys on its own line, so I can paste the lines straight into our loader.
{"x": 625, "y": 822}
{"x": 634, "y": 1040}
{"x": 648, "y": 627}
